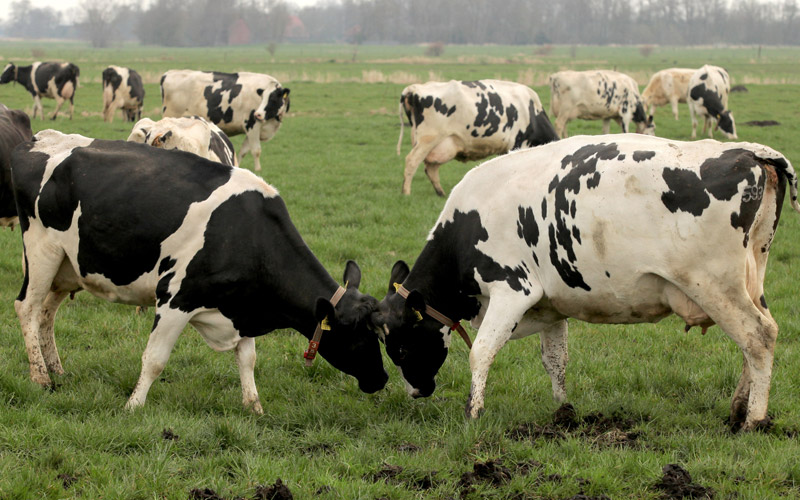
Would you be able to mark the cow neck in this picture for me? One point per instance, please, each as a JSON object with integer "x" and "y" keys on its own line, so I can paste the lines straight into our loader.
{"x": 311, "y": 284}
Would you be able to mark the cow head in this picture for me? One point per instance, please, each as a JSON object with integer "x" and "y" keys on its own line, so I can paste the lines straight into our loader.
{"x": 726, "y": 124}
{"x": 140, "y": 130}
{"x": 416, "y": 343}
{"x": 351, "y": 344}
{"x": 273, "y": 105}
{"x": 644, "y": 124}
{"x": 9, "y": 73}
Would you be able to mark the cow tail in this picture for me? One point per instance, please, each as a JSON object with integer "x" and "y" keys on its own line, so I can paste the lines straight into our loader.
{"x": 402, "y": 124}
{"x": 784, "y": 167}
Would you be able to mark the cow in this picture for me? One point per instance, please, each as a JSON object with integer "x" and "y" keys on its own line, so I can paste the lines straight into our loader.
{"x": 192, "y": 134}
{"x": 709, "y": 87}
{"x": 468, "y": 121}
{"x": 252, "y": 104}
{"x": 668, "y": 86}
{"x": 54, "y": 80}
{"x": 208, "y": 244}
{"x": 688, "y": 232}
{"x": 597, "y": 95}
{"x": 15, "y": 128}
{"x": 122, "y": 89}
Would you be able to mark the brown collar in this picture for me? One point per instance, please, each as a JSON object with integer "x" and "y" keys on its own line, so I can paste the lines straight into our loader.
{"x": 441, "y": 318}
{"x": 313, "y": 344}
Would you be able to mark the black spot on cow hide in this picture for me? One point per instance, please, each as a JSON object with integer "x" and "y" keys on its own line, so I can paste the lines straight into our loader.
{"x": 214, "y": 96}
{"x": 639, "y": 156}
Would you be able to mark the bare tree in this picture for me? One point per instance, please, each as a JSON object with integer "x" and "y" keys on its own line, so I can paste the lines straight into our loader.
{"x": 97, "y": 22}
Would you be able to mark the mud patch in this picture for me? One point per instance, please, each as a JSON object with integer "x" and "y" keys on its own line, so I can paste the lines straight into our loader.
{"x": 602, "y": 430}
{"x": 204, "y": 494}
{"x": 408, "y": 448}
{"x": 739, "y": 88}
{"x": 169, "y": 435}
{"x": 66, "y": 480}
{"x": 394, "y": 474}
{"x": 677, "y": 483}
{"x": 277, "y": 491}
{"x": 762, "y": 123}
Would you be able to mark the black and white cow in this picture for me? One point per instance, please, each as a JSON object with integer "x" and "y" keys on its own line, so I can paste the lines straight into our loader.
{"x": 190, "y": 133}
{"x": 54, "y": 80}
{"x": 709, "y": 87}
{"x": 550, "y": 246}
{"x": 468, "y": 121}
{"x": 207, "y": 244}
{"x": 597, "y": 95}
{"x": 122, "y": 89}
{"x": 15, "y": 128}
{"x": 252, "y": 104}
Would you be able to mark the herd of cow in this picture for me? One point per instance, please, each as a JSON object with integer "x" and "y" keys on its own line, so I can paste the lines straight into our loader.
{"x": 607, "y": 229}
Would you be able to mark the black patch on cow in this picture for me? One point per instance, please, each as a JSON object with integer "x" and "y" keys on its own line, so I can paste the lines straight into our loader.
{"x": 639, "y": 115}
{"x": 250, "y": 250}
{"x": 418, "y": 106}
{"x": 251, "y": 121}
{"x": 474, "y": 133}
{"x": 607, "y": 91}
{"x": 539, "y": 130}
{"x": 474, "y": 84}
{"x": 488, "y": 115}
{"x": 704, "y": 76}
{"x": 113, "y": 79}
{"x": 166, "y": 264}
{"x": 621, "y": 157}
{"x": 442, "y": 108}
{"x": 162, "y": 289}
{"x": 711, "y": 100}
{"x": 28, "y": 173}
{"x": 639, "y": 156}
{"x": 275, "y": 102}
{"x": 721, "y": 178}
{"x": 511, "y": 117}
{"x": 136, "y": 85}
{"x": 583, "y": 163}
{"x": 132, "y": 245}
{"x": 60, "y": 74}
{"x": 608, "y": 275}
{"x": 528, "y": 229}
{"x": 763, "y": 301}
{"x": 15, "y": 128}
{"x": 215, "y": 93}
{"x": 220, "y": 145}
{"x": 544, "y": 208}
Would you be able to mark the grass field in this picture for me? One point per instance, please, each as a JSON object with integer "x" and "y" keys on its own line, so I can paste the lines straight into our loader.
{"x": 645, "y": 396}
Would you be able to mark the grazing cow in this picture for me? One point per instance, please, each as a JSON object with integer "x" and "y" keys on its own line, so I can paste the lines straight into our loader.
{"x": 709, "y": 87}
{"x": 688, "y": 233}
{"x": 597, "y": 95}
{"x": 192, "y": 134}
{"x": 468, "y": 121}
{"x": 239, "y": 103}
{"x": 668, "y": 86}
{"x": 122, "y": 89}
{"x": 15, "y": 128}
{"x": 45, "y": 79}
{"x": 207, "y": 244}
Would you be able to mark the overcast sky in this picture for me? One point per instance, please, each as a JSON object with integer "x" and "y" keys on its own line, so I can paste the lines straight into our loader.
{"x": 69, "y": 7}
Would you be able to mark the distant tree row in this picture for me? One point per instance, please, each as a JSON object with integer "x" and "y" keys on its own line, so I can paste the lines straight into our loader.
{"x": 211, "y": 22}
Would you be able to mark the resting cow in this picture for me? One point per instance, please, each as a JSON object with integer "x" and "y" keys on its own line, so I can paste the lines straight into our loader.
{"x": 45, "y": 79}
{"x": 668, "y": 86}
{"x": 122, "y": 89}
{"x": 239, "y": 103}
{"x": 15, "y": 128}
{"x": 207, "y": 244}
{"x": 597, "y": 95}
{"x": 192, "y": 134}
{"x": 709, "y": 87}
{"x": 468, "y": 121}
{"x": 549, "y": 246}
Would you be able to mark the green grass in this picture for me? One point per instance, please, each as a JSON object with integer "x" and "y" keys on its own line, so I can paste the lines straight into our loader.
{"x": 334, "y": 163}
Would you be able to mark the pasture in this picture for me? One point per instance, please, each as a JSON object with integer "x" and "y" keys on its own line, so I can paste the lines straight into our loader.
{"x": 644, "y": 395}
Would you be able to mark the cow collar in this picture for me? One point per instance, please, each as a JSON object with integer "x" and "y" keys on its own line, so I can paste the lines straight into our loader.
{"x": 313, "y": 344}
{"x": 441, "y": 318}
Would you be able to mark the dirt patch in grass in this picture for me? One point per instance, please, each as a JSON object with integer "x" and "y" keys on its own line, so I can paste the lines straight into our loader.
{"x": 169, "y": 435}
{"x": 277, "y": 491}
{"x": 602, "y": 430}
{"x": 762, "y": 123}
{"x": 66, "y": 480}
{"x": 395, "y": 474}
{"x": 677, "y": 483}
{"x": 204, "y": 494}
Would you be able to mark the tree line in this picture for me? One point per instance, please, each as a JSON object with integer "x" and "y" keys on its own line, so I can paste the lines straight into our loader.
{"x": 600, "y": 22}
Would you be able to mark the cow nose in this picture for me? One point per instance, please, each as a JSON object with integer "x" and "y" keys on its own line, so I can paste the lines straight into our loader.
{"x": 259, "y": 116}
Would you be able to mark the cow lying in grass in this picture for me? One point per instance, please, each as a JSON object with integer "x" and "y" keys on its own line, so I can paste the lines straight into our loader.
{"x": 688, "y": 233}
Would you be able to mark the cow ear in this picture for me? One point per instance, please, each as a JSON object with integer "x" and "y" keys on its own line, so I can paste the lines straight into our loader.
{"x": 324, "y": 311}
{"x": 399, "y": 274}
{"x": 352, "y": 274}
{"x": 416, "y": 303}
{"x": 285, "y": 93}
{"x": 650, "y": 120}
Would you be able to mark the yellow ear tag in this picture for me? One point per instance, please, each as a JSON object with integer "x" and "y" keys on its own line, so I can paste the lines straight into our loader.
{"x": 397, "y": 286}
{"x": 324, "y": 325}
{"x": 419, "y": 315}
{"x": 347, "y": 283}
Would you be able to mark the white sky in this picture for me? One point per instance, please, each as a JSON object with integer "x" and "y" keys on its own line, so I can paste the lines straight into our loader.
{"x": 68, "y": 7}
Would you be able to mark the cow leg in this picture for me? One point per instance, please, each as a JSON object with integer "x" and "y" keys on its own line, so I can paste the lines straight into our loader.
{"x": 168, "y": 325}
{"x": 416, "y": 156}
{"x": 47, "y": 339}
{"x": 555, "y": 357}
{"x": 246, "y": 359}
{"x": 59, "y": 102}
{"x": 30, "y": 306}
{"x": 432, "y": 171}
{"x": 622, "y": 125}
{"x": 693, "y": 116}
{"x": 607, "y": 126}
{"x": 71, "y": 107}
{"x": 37, "y": 104}
{"x": 252, "y": 145}
{"x": 504, "y": 312}
{"x": 561, "y": 126}
{"x": 673, "y": 102}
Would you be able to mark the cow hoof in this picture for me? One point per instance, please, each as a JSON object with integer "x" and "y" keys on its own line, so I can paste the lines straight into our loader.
{"x": 255, "y": 407}
{"x": 764, "y": 425}
{"x": 473, "y": 413}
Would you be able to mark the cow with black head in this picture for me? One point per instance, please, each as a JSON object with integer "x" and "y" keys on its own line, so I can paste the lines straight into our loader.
{"x": 709, "y": 88}
{"x": 53, "y": 80}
